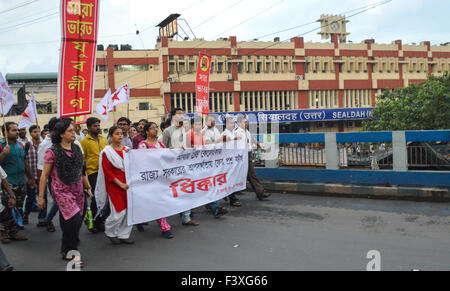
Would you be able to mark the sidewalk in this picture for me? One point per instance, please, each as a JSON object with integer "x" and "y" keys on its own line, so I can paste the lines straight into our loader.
{"x": 359, "y": 191}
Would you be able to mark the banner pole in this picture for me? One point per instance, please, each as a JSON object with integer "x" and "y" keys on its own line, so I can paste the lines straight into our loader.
{"x": 5, "y": 135}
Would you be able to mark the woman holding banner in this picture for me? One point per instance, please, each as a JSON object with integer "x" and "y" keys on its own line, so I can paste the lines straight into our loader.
{"x": 65, "y": 164}
{"x": 151, "y": 142}
{"x": 112, "y": 184}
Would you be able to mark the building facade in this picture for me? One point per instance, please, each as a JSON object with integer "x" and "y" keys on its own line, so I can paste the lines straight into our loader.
{"x": 295, "y": 76}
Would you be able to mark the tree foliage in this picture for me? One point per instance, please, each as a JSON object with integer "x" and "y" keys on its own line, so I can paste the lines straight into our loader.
{"x": 424, "y": 106}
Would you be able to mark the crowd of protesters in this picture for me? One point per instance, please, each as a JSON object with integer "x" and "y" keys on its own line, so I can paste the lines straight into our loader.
{"x": 84, "y": 173}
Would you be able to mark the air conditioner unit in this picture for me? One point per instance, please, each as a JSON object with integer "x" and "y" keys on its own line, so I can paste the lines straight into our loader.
{"x": 299, "y": 78}
{"x": 172, "y": 80}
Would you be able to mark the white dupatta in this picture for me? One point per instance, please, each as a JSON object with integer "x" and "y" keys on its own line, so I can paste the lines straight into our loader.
{"x": 101, "y": 195}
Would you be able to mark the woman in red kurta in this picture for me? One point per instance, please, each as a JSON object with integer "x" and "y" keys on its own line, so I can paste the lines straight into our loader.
{"x": 112, "y": 180}
{"x": 117, "y": 195}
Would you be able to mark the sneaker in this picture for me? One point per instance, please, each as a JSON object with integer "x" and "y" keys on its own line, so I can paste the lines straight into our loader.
{"x": 25, "y": 219}
{"x": 50, "y": 227}
{"x": 168, "y": 234}
{"x": 8, "y": 268}
{"x": 114, "y": 240}
{"x": 127, "y": 241}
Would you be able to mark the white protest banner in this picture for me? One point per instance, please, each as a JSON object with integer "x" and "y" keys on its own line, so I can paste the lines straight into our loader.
{"x": 166, "y": 182}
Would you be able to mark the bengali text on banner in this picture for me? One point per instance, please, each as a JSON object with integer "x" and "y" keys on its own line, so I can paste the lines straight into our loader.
{"x": 202, "y": 84}
{"x": 78, "y": 57}
{"x": 167, "y": 182}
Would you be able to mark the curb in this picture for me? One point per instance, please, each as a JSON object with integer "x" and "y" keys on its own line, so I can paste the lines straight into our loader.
{"x": 360, "y": 191}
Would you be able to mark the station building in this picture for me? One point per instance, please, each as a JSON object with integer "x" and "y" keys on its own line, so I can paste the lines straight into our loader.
{"x": 306, "y": 86}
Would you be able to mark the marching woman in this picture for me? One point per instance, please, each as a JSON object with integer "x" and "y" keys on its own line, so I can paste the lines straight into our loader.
{"x": 64, "y": 163}
{"x": 151, "y": 142}
{"x": 111, "y": 183}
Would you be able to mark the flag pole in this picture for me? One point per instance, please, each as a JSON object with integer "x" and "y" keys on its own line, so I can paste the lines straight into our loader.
{"x": 4, "y": 124}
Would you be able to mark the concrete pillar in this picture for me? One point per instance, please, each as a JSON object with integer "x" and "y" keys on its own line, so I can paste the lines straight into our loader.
{"x": 331, "y": 151}
{"x": 400, "y": 158}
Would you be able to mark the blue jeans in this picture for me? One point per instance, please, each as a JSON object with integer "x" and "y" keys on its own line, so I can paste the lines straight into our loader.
{"x": 30, "y": 201}
{"x": 53, "y": 211}
{"x": 214, "y": 206}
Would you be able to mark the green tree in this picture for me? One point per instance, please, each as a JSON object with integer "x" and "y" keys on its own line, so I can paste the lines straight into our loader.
{"x": 424, "y": 106}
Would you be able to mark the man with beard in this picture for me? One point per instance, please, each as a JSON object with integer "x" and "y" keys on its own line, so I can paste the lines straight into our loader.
{"x": 93, "y": 144}
{"x": 23, "y": 136}
{"x": 13, "y": 161}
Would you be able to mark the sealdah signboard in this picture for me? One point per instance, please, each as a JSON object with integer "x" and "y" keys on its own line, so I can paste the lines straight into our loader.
{"x": 300, "y": 115}
{"x": 76, "y": 77}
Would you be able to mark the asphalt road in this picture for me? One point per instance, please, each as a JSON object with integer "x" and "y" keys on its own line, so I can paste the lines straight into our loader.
{"x": 290, "y": 232}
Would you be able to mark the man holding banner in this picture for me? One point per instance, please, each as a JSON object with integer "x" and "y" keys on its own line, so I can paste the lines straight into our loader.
{"x": 174, "y": 138}
{"x": 243, "y": 133}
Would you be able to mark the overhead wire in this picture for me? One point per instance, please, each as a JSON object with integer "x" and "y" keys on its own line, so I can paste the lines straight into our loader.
{"x": 274, "y": 44}
{"x": 363, "y": 9}
{"x": 207, "y": 20}
{"x": 251, "y": 18}
{"x": 23, "y": 4}
{"x": 313, "y": 22}
{"x": 367, "y": 8}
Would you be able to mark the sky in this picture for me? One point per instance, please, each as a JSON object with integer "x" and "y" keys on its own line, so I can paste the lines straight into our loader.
{"x": 30, "y": 35}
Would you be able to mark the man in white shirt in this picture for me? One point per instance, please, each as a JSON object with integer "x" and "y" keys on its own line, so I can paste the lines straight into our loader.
{"x": 79, "y": 136}
{"x": 229, "y": 135}
{"x": 211, "y": 133}
{"x": 175, "y": 138}
{"x": 241, "y": 133}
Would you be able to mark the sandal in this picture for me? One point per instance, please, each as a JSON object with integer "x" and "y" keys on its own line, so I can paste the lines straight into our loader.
{"x": 191, "y": 223}
{"x": 236, "y": 204}
{"x": 6, "y": 240}
{"x": 19, "y": 238}
{"x": 50, "y": 227}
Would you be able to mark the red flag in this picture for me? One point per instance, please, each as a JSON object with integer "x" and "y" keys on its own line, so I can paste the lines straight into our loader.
{"x": 202, "y": 83}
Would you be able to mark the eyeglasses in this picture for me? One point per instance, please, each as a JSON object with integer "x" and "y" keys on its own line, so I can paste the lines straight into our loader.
{"x": 123, "y": 124}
